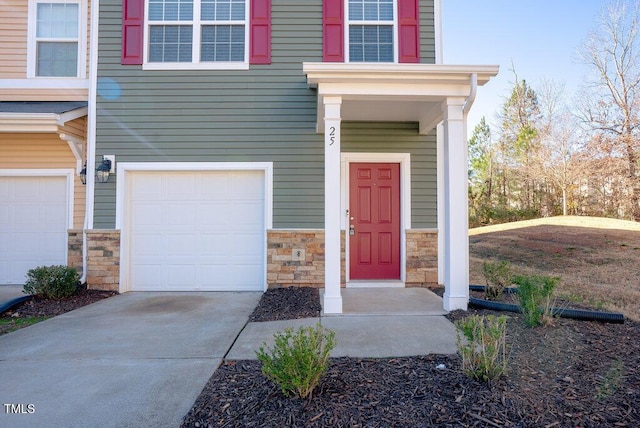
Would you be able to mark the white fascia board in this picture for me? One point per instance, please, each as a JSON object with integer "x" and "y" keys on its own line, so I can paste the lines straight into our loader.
{"x": 38, "y": 122}
{"x": 326, "y": 72}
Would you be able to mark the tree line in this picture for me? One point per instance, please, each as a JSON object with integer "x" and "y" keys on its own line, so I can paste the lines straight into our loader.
{"x": 545, "y": 157}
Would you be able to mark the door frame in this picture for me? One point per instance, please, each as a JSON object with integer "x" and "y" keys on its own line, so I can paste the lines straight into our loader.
{"x": 404, "y": 159}
{"x": 123, "y": 193}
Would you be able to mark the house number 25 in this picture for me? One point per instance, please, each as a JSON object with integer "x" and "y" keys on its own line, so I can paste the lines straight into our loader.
{"x": 332, "y": 135}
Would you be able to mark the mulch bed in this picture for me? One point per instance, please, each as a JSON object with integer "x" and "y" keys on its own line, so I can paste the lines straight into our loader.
{"x": 571, "y": 374}
{"x": 39, "y": 307}
{"x": 286, "y": 304}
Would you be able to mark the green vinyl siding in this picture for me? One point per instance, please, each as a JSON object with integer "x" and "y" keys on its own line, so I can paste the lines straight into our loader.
{"x": 264, "y": 114}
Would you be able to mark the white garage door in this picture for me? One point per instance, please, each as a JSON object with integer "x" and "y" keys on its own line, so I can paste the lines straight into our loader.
{"x": 33, "y": 225}
{"x": 201, "y": 230}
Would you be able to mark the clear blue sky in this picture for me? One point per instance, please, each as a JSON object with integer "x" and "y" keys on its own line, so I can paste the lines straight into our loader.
{"x": 540, "y": 37}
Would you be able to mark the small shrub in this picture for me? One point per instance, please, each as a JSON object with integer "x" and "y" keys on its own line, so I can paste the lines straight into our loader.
{"x": 535, "y": 295}
{"x": 298, "y": 360}
{"x": 52, "y": 282}
{"x": 611, "y": 381}
{"x": 484, "y": 354}
{"x": 497, "y": 275}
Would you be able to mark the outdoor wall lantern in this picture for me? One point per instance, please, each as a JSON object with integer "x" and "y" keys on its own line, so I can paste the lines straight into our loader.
{"x": 83, "y": 174}
{"x": 102, "y": 171}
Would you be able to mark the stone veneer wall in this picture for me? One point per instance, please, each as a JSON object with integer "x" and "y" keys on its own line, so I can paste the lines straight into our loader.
{"x": 286, "y": 267}
{"x": 422, "y": 258}
{"x": 103, "y": 259}
{"x": 74, "y": 249}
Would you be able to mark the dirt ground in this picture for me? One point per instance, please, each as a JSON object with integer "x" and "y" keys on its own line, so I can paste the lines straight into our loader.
{"x": 597, "y": 267}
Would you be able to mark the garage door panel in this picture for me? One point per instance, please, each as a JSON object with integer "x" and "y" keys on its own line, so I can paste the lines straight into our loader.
{"x": 148, "y": 277}
{"x": 146, "y": 216}
{"x": 212, "y": 215}
{"x": 212, "y": 236}
{"x": 179, "y": 186}
{"x": 178, "y": 216}
{"x": 183, "y": 245}
{"x": 179, "y": 275}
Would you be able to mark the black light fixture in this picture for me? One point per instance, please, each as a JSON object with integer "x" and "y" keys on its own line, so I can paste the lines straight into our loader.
{"x": 103, "y": 170}
{"x": 83, "y": 174}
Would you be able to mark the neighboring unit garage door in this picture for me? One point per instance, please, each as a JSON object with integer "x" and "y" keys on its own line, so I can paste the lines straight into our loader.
{"x": 33, "y": 225}
{"x": 201, "y": 230}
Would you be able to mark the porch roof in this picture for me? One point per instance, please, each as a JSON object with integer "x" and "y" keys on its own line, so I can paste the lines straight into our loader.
{"x": 39, "y": 116}
{"x": 394, "y": 92}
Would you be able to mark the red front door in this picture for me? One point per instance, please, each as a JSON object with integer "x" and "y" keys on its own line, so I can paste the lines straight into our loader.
{"x": 374, "y": 226}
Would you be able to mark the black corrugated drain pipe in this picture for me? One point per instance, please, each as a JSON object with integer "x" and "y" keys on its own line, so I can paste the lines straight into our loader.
{"x": 11, "y": 303}
{"x": 577, "y": 314}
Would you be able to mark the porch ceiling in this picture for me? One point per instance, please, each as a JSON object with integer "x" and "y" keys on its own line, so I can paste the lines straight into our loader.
{"x": 393, "y": 92}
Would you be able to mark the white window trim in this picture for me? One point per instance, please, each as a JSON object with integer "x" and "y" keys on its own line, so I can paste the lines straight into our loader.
{"x": 348, "y": 23}
{"x": 69, "y": 174}
{"x": 122, "y": 189}
{"x": 81, "y": 72}
{"x": 404, "y": 159}
{"x": 195, "y": 63}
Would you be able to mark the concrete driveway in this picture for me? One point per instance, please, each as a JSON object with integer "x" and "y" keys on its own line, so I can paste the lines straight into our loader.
{"x": 137, "y": 359}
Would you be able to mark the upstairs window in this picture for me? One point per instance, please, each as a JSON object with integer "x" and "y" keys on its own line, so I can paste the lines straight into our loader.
{"x": 57, "y": 39}
{"x": 371, "y": 30}
{"x": 197, "y": 32}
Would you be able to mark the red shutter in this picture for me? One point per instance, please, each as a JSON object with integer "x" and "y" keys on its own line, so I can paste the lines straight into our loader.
{"x": 408, "y": 31}
{"x": 333, "y": 30}
{"x": 132, "y": 31}
{"x": 260, "y": 32}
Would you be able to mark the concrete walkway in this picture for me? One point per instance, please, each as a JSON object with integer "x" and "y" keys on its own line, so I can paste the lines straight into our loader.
{"x": 376, "y": 322}
{"x": 133, "y": 360}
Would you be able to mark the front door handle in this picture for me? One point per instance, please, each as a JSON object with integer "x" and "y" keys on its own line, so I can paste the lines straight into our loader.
{"x": 352, "y": 230}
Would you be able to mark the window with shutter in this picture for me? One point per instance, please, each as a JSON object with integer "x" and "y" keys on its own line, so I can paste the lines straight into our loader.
{"x": 371, "y": 31}
{"x": 186, "y": 34}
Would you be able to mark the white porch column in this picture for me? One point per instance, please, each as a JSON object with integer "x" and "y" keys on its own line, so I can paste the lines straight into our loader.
{"x": 332, "y": 296}
{"x": 456, "y": 224}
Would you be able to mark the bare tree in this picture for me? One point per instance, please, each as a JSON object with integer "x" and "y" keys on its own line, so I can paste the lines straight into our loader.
{"x": 558, "y": 133}
{"x": 611, "y": 103}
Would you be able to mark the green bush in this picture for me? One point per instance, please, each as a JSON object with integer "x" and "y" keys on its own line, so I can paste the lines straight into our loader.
{"x": 497, "y": 276}
{"x": 535, "y": 295}
{"x": 298, "y": 360}
{"x": 484, "y": 353}
{"x": 52, "y": 282}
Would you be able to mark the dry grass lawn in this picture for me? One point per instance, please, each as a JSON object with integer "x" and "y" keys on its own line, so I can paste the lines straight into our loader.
{"x": 596, "y": 259}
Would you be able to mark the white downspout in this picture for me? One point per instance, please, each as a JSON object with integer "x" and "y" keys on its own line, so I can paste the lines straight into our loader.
{"x": 472, "y": 94}
{"x": 91, "y": 132}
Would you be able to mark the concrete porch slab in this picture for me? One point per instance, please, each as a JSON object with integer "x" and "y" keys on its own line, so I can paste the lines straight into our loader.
{"x": 388, "y": 301}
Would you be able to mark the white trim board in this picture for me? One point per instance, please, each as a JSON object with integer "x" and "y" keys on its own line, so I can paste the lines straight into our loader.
{"x": 404, "y": 159}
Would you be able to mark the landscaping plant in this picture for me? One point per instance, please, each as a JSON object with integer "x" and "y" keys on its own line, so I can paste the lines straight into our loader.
{"x": 52, "y": 282}
{"x": 484, "y": 353}
{"x": 535, "y": 295}
{"x": 498, "y": 275}
{"x": 297, "y": 360}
